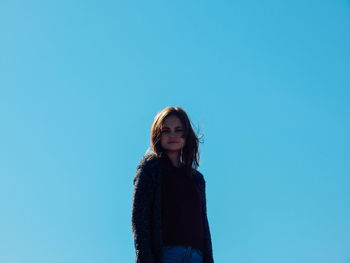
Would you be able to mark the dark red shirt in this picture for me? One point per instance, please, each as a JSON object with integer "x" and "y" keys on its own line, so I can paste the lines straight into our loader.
{"x": 181, "y": 207}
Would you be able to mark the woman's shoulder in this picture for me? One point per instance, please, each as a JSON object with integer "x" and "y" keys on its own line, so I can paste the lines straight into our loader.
{"x": 198, "y": 175}
{"x": 148, "y": 161}
{"x": 145, "y": 171}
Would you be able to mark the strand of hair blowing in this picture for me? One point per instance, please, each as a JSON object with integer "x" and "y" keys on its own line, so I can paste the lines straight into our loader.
{"x": 190, "y": 154}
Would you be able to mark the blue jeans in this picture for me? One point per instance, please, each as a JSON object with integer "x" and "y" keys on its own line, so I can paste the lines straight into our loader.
{"x": 181, "y": 254}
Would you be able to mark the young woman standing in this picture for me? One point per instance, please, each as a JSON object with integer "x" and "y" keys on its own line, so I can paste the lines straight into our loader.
{"x": 169, "y": 215}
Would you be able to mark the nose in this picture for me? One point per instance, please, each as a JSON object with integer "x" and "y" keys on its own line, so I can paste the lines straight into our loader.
{"x": 172, "y": 134}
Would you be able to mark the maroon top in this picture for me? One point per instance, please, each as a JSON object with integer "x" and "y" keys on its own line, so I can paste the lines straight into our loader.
{"x": 181, "y": 208}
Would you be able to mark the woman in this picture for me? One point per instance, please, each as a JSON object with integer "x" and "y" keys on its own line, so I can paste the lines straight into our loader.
{"x": 169, "y": 216}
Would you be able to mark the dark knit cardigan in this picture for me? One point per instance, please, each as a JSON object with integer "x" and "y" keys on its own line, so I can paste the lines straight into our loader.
{"x": 147, "y": 217}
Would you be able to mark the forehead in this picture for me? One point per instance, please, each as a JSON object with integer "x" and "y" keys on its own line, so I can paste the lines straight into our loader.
{"x": 172, "y": 121}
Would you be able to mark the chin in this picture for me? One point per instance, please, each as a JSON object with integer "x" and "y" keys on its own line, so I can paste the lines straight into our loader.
{"x": 173, "y": 149}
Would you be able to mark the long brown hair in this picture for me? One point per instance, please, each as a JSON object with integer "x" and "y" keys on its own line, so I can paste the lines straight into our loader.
{"x": 190, "y": 153}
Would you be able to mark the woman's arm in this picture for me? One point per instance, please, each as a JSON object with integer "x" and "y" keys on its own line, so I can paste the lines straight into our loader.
{"x": 141, "y": 215}
{"x": 207, "y": 236}
{"x": 207, "y": 231}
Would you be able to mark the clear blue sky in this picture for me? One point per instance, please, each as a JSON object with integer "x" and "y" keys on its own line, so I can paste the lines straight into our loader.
{"x": 266, "y": 82}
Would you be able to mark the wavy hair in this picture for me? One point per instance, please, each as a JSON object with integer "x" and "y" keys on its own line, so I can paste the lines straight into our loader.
{"x": 190, "y": 154}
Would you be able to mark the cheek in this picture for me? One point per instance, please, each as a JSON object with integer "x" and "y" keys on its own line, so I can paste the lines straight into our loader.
{"x": 183, "y": 142}
{"x": 161, "y": 141}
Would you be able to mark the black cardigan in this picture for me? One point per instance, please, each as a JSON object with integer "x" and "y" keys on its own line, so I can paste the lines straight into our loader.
{"x": 146, "y": 212}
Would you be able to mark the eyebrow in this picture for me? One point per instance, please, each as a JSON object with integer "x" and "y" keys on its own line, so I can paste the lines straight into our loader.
{"x": 166, "y": 127}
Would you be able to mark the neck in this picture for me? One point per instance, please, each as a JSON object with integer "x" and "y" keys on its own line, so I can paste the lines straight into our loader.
{"x": 174, "y": 158}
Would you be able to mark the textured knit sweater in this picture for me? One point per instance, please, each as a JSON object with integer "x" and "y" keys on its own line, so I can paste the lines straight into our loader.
{"x": 147, "y": 212}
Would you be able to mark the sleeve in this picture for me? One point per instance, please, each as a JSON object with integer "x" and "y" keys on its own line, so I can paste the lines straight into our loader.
{"x": 141, "y": 215}
{"x": 207, "y": 235}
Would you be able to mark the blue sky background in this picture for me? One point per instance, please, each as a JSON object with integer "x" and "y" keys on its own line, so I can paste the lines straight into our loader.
{"x": 266, "y": 82}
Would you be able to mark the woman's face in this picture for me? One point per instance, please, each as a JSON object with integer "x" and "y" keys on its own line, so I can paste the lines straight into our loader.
{"x": 171, "y": 135}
